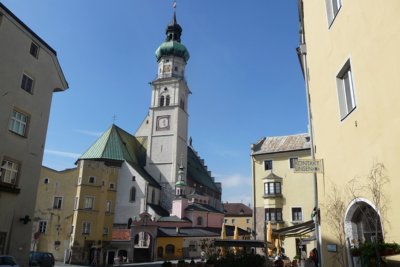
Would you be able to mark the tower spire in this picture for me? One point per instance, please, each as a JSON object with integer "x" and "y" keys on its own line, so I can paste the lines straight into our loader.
{"x": 174, "y": 30}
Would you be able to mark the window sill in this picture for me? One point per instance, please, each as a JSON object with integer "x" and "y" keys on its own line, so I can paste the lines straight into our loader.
{"x": 10, "y": 188}
{"x": 17, "y": 134}
{"x": 273, "y": 196}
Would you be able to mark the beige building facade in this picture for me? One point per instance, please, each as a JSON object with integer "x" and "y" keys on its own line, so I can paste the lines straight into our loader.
{"x": 54, "y": 212}
{"x": 238, "y": 214}
{"x": 350, "y": 56}
{"x": 282, "y": 196}
{"x": 29, "y": 74}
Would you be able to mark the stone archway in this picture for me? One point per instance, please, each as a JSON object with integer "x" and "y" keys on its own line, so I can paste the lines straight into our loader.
{"x": 143, "y": 239}
{"x": 362, "y": 223}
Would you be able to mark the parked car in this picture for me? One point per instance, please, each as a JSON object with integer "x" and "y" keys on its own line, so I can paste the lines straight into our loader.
{"x": 42, "y": 259}
{"x": 7, "y": 261}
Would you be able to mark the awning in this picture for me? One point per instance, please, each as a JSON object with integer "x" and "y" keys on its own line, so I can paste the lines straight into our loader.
{"x": 297, "y": 230}
{"x": 240, "y": 243}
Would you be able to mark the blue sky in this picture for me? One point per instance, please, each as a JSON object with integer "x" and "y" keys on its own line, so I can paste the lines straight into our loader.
{"x": 243, "y": 72}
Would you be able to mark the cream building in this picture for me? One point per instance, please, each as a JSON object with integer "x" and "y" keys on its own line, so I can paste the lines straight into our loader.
{"x": 238, "y": 214}
{"x": 282, "y": 196}
{"x": 350, "y": 55}
{"x": 29, "y": 74}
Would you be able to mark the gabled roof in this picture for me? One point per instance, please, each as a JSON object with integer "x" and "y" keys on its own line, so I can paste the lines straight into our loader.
{"x": 118, "y": 145}
{"x": 237, "y": 210}
{"x": 285, "y": 143}
{"x": 197, "y": 172}
{"x": 201, "y": 207}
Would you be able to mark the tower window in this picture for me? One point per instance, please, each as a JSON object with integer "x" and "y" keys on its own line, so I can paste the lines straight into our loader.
{"x": 162, "y": 99}
{"x": 182, "y": 104}
{"x": 132, "y": 195}
{"x": 167, "y": 100}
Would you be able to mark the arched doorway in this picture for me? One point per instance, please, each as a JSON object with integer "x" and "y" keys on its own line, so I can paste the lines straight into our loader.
{"x": 362, "y": 223}
{"x": 143, "y": 242}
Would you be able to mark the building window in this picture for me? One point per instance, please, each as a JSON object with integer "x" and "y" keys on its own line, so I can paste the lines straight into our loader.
{"x": 57, "y": 202}
{"x": 297, "y": 215}
{"x": 345, "y": 88}
{"x": 268, "y": 164}
{"x": 199, "y": 220}
{"x": 132, "y": 195}
{"x": 92, "y": 180}
{"x": 76, "y": 203}
{"x": 112, "y": 186}
{"x": 46, "y": 180}
{"x": 108, "y": 206}
{"x": 42, "y": 226}
{"x": 192, "y": 246}
{"x": 292, "y": 162}
{"x": 86, "y": 228}
{"x": 167, "y": 100}
{"x": 89, "y": 201}
{"x": 247, "y": 221}
{"x": 34, "y": 50}
{"x": 9, "y": 172}
{"x": 182, "y": 104}
{"x": 133, "y": 178}
{"x": 160, "y": 252}
{"x": 332, "y": 8}
{"x": 273, "y": 214}
{"x": 105, "y": 230}
{"x": 153, "y": 196}
{"x": 162, "y": 99}
{"x": 170, "y": 249}
{"x": 27, "y": 83}
{"x": 18, "y": 123}
{"x": 225, "y": 220}
{"x": 233, "y": 221}
{"x": 272, "y": 188}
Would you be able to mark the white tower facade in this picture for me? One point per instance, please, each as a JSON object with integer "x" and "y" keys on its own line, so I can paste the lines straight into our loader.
{"x": 168, "y": 115}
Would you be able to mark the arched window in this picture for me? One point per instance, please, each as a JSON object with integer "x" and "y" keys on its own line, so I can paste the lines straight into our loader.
{"x": 169, "y": 249}
{"x": 162, "y": 101}
{"x": 167, "y": 100}
{"x": 132, "y": 195}
{"x": 182, "y": 104}
{"x": 199, "y": 220}
{"x": 153, "y": 196}
{"x": 160, "y": 252}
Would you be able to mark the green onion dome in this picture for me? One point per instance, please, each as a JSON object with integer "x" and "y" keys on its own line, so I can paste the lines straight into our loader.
{"x": 172, "y": 48}
{"x": 180, "y": 183}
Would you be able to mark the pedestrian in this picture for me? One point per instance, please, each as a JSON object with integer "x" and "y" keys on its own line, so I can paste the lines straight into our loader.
{"x": 310, "y": 260}
{"x": 202, "y": 255}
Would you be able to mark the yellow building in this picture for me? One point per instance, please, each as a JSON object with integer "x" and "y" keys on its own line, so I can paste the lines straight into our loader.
{"x": 282, "y": 196}
{"x": 93, "y": 211}
{"x": 350, "y": 56}
{"x": 54, "y": 211}
{"x": 238, "y": 214}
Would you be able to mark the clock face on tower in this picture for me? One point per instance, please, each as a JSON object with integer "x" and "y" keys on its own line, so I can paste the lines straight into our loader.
{"x": 162, "y": 123}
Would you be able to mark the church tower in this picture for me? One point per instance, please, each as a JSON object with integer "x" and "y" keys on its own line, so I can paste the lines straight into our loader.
{"x": 168, "y": 115}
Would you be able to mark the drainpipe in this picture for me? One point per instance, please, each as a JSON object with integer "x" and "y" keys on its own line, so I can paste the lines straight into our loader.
{"x": 302, "y": 53}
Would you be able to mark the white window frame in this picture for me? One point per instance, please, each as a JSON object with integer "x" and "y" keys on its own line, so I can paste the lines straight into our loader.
{"x": 89, "y": 202}
{"x": 345, "y": 90}
{"x": 86, "y": 227}
{"x": 42, "y": 226}
{"x": 35, "y": 55}
{"x": 19, "y": 122}
{"x": 108, "y": 206}
{"x": 292, "y": 162}
{"x": 270, "y": 188}
{"x": 57, "y": 202}
{"x": 292, "y": 214}
{"x": 76, "y": 203}
{"x": 9, "y": 170}
{"x": 105, "y": 230}
{"x": 25, "y": 85}
{"x": 332, "y": 9}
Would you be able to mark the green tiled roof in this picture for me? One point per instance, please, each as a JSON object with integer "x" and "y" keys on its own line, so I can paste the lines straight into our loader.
{"x": 197, "y": 172}
{"x": 118, "y": 145}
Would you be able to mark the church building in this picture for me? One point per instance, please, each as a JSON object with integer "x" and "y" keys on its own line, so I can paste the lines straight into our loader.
{"x": 153, "y": 177}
